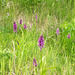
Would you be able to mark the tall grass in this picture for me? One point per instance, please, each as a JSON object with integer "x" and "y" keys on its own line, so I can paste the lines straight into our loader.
{"x": 58, "y": 55}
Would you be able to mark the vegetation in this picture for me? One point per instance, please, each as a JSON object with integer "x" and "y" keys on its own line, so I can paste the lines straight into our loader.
{"x": 26, "y": 23}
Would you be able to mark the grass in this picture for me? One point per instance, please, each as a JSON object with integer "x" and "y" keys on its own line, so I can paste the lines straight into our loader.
{"x": 58, "y": 55}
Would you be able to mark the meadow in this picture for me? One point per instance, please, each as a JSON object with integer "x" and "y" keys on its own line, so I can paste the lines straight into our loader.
{"x": 37, "y": 37}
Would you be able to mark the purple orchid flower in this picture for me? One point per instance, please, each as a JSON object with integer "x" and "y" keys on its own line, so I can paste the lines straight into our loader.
{"x": 57, "y": 31}
{"x": 15, "y": 27}
{"x": 68, "y": 36}
{"x": 20, "y": 21}
{"x": 34, "y": 62}
{"x": 41, "y": 42}
{"x": 25, "y": 27}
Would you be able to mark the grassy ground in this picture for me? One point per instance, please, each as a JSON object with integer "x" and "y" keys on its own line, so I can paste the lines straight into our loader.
{"x": 58, "y": 55}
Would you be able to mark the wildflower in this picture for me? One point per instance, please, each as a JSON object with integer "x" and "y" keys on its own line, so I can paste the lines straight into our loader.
{"x": 41, "y": 42}
{"x": 17, "y": 42}
{"x": 20, "y": 21}
{"x": 68, "y": 36}
{"x": 15, "y": 27}
{"x": 34, "y": 62}
{"x": 36, "y": 17}
{"x": 25, "y": 27}
{"x": 57, "y": 31}
{"x": 7, "y": 13}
